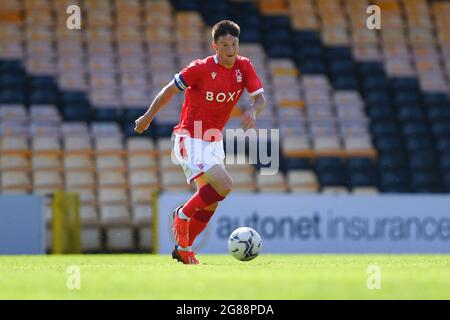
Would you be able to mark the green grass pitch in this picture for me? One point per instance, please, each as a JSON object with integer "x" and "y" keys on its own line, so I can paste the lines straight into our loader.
{"x": 221, "y": 277}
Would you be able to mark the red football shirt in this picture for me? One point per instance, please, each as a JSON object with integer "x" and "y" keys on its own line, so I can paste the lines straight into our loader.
{"x": 211, "y": 93}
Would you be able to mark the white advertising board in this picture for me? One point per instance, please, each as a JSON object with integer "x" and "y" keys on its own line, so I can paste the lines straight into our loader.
{"x": 322, "y": 223}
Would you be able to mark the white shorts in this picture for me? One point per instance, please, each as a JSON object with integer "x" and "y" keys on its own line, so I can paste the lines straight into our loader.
{"x": 197, "y": 156}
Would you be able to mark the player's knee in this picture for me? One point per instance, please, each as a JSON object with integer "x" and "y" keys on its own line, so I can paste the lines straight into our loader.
{"x": 227, "y": 185}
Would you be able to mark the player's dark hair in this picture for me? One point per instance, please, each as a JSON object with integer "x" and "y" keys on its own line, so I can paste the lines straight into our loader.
{"x": 225, "y": 27}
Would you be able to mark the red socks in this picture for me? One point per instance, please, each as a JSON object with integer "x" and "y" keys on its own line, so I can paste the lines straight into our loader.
{"x": 198, "y": 223}
{"x": 203, "y": 198}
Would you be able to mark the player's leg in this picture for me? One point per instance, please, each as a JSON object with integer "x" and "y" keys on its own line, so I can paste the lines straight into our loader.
{"x": 201, "y": 217}
{"x": 215, "y": 178}
{"x": 215, "y": 185}
{"x": 218, "y": 186}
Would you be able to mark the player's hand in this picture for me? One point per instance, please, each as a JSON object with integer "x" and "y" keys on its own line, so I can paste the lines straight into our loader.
{"x": 248, "y": 119}
{"x": 142, "y": 124}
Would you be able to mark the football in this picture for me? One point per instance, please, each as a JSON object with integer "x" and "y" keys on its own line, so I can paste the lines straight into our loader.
{"x": 244, "y": 244}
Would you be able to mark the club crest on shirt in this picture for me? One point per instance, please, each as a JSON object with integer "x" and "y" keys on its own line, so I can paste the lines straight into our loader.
{"x": 200, "y": 165}
{"x": 238, "y": 75}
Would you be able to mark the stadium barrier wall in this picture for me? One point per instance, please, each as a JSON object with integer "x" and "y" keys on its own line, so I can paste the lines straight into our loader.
{"x": 22, "y": 224}
{"x": 321, "y": 223}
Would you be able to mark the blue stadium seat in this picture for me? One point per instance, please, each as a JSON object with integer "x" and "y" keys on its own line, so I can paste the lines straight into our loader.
{"x": 441, "y": 128}
{"x": 13, "y": 80}
{"x": 389, "y": 144}
{"x": 362, "y": 179}
{"x": 72, "y": 97}
{"x": 329, "y": 164}
{"x": 107, "y": 114}
{"x": 356, "y": 163}
{"x": 77, "y": 112}
{"x": 11, "y": 66}
{"x": 381, "y": 112}
{"x": 43, "y": 82}
{"x": 394, "y": 181}
{"x": 312, "y": 66}
{"x": 162, "y": 130}
{"x": 305, "y": 38}
{"x": 338, "y": 67}
{"x": 422, "y": 160}
{"x": 419, "y": 144}
{"x": 425, "y": 181}
{"x": 391, "y": 161}
{"x": 400, "y": 84}
{"x": 443, "y": 144}
{"x": 374, "y": 98}
{"x": 410, "y": 112}
{"x": 246, "y": 20}
{"x": 332, "y": 178}
{"x": 128, "y": 130}
{"x": 280, "y": 50}
{"x": 445, "y": 161}
{"x": 375, "y": 82}
{"x": 295, "y": 163}
{"x": 43, "y": 96}
{"x": 384, "y": 128}
{"x": 309, "y": 52}
{"x": 273, "y": 22}
{"x": 406, "y": 98}
{"x": 446, "y": 181}
{"x": 251, "y": 35}
{"x": 436, "y": 99}
{"x": 345, "y": 82}
{"x": 130, "y": 115}
{"x": 277, "y": 36}
{"x": 339, "y": 53}
{"x": 436, "y": 113}
{"x": 13, "y": 95}
{"x": 368, "y": 69}
{"x": 414, "y": 129}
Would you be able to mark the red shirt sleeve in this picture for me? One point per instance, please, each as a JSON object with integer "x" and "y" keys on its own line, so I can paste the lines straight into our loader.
{"x": 252, "y": 82}
{"x": 188, "y": 76}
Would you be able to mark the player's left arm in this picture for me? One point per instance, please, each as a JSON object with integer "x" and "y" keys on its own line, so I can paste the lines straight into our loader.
{"x": 255, "y": 89}
{"x": 258, "y": 106}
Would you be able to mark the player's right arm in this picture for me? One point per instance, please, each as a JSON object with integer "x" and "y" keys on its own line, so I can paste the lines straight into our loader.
{"x": 162, "y": 99}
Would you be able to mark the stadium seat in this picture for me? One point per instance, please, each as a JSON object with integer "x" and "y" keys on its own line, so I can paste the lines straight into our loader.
{"x": 414, "y": 129}
{"x": 243, "y": 177}
{"x": 271, "y": 183}
{"x": 302, "y": 181}
{"x": 423, "y": 144}
{"x": 174, "y": 181}
{"x": 425, "y": 181}
{"x": 334, "y": 190}
{"x": 445, "y": 161}
{"x": 394, "y": 181}
{"x": 422, "y": 160}
{"x": 91, "y": 239}
{"x": 145, "y": 238}
{"x": 365, "y": 191}
{"x": 142, "y": 214}
{"x": 119, "y": 238}
{"x": 441, "y": 128}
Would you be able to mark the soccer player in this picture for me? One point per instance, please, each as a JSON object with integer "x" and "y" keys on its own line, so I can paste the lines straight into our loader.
{"x": 212, "y": 86}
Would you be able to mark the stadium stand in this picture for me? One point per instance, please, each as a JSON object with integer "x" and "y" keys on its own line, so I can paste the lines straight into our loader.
{"x": 359, "y": 111}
